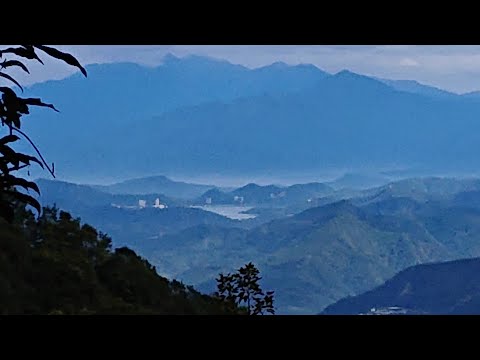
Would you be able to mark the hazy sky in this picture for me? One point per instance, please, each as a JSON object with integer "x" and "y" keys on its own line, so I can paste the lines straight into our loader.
{"x": 452, "y": 67}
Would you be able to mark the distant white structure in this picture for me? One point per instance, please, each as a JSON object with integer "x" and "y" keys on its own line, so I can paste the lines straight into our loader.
{"x": 142, "y": 204}
{"x": 208, "y": 200}
{"x": 238, "y": 199}
{"x": 279, "y": 195}
{"x": 157, "y": 204}
{"x": 391, "y": 310}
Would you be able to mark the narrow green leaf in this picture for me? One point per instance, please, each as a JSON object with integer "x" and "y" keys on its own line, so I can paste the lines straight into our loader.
{"x": 16, "y": 181}
{"x": 27, "y": 158}
{"x": 37, "y": 102}
{"x": 8, "y": 63}
{"x": 69, "y": 59}
{"x": 8, "y": 77}
{"x": 8, "y": 139}
{"x": 26, "y": 51}
{"x": 26, "y": 199}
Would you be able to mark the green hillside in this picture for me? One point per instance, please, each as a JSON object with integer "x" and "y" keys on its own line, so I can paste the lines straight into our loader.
{"x": 323, "y": 254}
{"x": 56, "y": 265}
{"x": 442, "y": 288}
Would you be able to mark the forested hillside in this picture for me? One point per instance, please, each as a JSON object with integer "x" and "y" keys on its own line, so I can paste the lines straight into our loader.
{"x": 57, "y": 265}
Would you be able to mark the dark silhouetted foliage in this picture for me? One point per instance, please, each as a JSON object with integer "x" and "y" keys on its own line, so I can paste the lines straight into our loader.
{"x": 53, "y": 264}
{"x": 242, "y": 290}
{"x": 12, "y": 108}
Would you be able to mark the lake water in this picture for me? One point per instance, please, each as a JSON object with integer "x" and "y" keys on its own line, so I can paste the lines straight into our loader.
{"x": 230, "y": 211}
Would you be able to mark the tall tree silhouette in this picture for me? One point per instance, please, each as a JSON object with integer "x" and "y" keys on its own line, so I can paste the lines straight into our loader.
{"x": 242, "y": 290}
{"x": 12, "y": 109}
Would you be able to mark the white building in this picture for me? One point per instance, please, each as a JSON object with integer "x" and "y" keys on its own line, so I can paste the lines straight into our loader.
{"x": 238, "y": 199}
{"x": 158, "y": 205}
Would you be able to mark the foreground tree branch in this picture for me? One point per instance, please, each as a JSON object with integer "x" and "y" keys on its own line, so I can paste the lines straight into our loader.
{"x": 12, "y": 109}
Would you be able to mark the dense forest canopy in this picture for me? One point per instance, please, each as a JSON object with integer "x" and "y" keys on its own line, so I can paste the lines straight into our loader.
{"x": 57, "y": 265}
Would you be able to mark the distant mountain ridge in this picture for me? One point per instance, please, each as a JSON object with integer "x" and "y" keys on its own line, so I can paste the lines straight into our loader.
{"x": 358, "y": 181}
{"x": 117, "y": 96}
{"x": 320, "y": 255}
{"x": 415, "y": 87}
{"x": 122, "y": 217}
{"x": 70, "y": 195}
{"x": 253, "y": 194}
{"x": 156, "y": 184}
{"x": 200, "y": 116}
{"x": 312, "y": 257}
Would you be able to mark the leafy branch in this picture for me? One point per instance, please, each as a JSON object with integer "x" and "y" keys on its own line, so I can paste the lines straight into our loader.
{"x": 242, "y": 290}
{"x": 12, "y": 109}
{"x": 43, "y": 163}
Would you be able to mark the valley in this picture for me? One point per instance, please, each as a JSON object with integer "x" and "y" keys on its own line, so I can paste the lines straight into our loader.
{"x": 351, "y": 193}
{"x": 314, "y": 245}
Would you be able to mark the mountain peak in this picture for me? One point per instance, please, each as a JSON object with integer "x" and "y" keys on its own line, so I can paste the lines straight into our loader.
{"x": 362, "y": 83}
{"x": 322, "y": 213}
{"x": 308, "y": 67}
{"x": 249, "y": 186}
{"x": 200, "y": 63}
{"x": 170, "y": 58}
{"x": 347, "y": 74}
{"x": 279, "y": 64}
{"x": 149, "y": 178}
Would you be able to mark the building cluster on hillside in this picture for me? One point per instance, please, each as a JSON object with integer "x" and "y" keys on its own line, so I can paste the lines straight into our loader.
{"x": 142, "y": 204}
{"x": 278, "y": 195}
{"x": 238, "y": 199}
{"x": 157, "y": 205}
{"x": 391, "y": 310}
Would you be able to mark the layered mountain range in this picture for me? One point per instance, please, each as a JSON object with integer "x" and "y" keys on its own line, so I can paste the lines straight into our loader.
{"x": 315, "y": 242}
{"x": 313, "y": 254}
{"x": 197, "y": 116}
